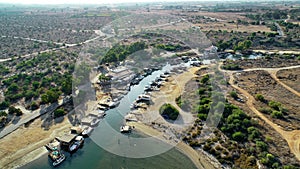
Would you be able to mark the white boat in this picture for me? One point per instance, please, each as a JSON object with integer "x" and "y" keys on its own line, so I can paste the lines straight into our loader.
{"x": 95, "y": 122}
{"x": 125, "y": 129}
{"x": 76, "y": 144}
{"x": 87, "y": 131}
{"x": 144, "y": 97}
{"x": 59, "y": 160}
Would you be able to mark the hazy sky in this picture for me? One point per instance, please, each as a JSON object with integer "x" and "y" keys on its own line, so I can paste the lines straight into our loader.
{"x": 78, "y": 1}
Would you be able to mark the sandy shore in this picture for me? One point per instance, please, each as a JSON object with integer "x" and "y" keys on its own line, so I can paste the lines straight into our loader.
{"x": 200, "y": 160}
{"x": 170, "y": 91}
{"x": 27, "y": 144}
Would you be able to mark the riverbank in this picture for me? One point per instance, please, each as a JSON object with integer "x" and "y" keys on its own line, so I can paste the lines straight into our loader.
{"x": 27, "y": 144}
{"x": 172, "y": 89}
{"x": 200, "y": 160}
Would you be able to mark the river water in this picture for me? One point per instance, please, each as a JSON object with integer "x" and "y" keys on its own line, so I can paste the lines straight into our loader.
{"x": 93, "y": 156}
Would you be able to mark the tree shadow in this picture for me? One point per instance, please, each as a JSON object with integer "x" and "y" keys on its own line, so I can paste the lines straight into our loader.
{"x": 58, "y": 119}
{"x": 16, "y": 119}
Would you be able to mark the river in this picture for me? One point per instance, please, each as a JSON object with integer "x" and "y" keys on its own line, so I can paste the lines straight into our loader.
{"x": 93, "y": 156}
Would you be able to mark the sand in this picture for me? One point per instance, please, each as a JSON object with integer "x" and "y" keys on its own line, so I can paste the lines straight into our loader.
{"x": 200, "y": 160}
{"x": 170, "y": 90}
{"x": 27, "y": 144}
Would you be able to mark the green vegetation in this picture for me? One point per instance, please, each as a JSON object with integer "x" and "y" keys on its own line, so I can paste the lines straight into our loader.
{"x": 168, "y": 47}
{"x": 50, "y": 96}
{"x": 4, "y": 105}
{"x": 231, "y": 66}
{"x": 59, "y": 112}
{"x": 3, "y": 114}
{"x": 241, "y": 46}
{"x": 168, "y": 111}
{"x": 103, "y": 78}
{"x": 16, "y": 111}
{"x": 260, "y": 97}
{"x": 233, "y": 94}
{"x": 120, "y": 52}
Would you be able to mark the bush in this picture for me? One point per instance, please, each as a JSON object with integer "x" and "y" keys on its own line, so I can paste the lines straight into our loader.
{"x": 275, "y": 105}
{"x": 277, "y": 114}
{"x": 238, "y": 136}
{"x": 4, "y": 105}
{"x": 13, "y": 110}
{"x": 265, "y": 110}
{"x": 168, "y": 111}
{"x": 260, "y": 97}
{"x": 261, "y": 146}
{"x": 3, "y": 113}
{"x": 59, "y": 112}
{"x": 233, "y": 94}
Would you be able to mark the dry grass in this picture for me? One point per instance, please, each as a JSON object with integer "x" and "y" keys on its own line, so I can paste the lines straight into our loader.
{"x": 25, "y": 140}
{"x": 229, "y": 26}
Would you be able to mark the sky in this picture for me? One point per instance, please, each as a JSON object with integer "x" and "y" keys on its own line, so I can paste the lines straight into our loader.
{"x": 79, "y": 1}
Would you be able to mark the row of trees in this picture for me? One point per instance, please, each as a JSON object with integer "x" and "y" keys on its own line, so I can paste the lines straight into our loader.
{"x": 120, "y": 52}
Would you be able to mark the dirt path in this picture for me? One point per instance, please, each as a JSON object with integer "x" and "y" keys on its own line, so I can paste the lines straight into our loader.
{"x": 292, "y": 137}
{"x": 273, "y": 73}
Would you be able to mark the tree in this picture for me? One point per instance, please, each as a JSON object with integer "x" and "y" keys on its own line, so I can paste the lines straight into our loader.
{"x": 59, "y": 112}
{"x": 277, "y": 114}
{"x": 4, "y": 105}
{"x": 238, "y": 136}
{"x": 13, "y": 110}
{"x": 275, "y": 105}
{"x": 103, "y": 78}
{"x": 3, "y": 113}
{"x": 233, "y": 94}
{"x": 261, "y": 146}
{"x": 50, "y": 97}
{"x": 260, "y": 97}
{"x": 169, "y": 111}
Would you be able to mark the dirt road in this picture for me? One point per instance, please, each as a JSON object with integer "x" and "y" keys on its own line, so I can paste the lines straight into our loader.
{"x": 292, "y": 137}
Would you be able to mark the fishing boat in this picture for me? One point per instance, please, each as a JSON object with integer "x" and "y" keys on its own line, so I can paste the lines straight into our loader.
{"x": 59, "y": 160}
{"x": 76, "y": 144}
{"x": 144, "y": 97}
{"x": 125, "y": 129}
{"x": 87, "y": 131}
{"x": 57, "y": 156}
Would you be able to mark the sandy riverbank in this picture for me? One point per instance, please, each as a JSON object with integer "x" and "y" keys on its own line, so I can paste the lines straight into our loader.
{"x": 167, "y": 94}
{"x": 200, "y": 160}
{"x": 27, "y": 144}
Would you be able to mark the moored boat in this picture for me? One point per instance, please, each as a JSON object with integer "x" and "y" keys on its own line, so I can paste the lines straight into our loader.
{"x": 59, "y": 160}
{"x": 76, "y": 144}
{"x": 87, "y": 131}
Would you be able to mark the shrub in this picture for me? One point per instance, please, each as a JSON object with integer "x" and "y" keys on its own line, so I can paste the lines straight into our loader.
{"x": 275, "y": 105}
{"x": 277, "y": 114}
{"x": 260, "y": 97}
{"x": 238, "y": 136}
{"x": 4, "y": 105}
{"x": 13, "y": 110}
{"x": 169, "y": 111}
{"x": 233, "y": 94}
{"x": 265, "y": 110}
{"x": 3, "y": 113}
{"x": 59, "y": 112}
